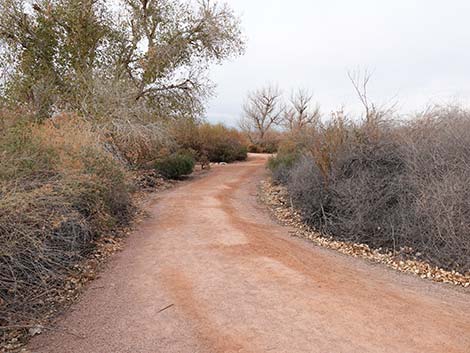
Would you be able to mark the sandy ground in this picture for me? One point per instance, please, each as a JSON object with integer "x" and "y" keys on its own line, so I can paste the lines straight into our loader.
{"x": 232, "y": 280}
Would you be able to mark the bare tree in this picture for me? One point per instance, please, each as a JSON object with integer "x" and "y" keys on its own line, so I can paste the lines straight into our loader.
{"x": 360, "y": 81}
{"x": 301, "y": 114}
{"x": 262, "y": 111}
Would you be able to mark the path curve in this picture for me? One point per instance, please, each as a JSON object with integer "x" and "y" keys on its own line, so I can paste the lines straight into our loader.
{"x": 232, "y": 280}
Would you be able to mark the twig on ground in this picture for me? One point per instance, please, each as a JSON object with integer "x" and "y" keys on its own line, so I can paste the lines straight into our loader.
{"x": 165, "y": 308}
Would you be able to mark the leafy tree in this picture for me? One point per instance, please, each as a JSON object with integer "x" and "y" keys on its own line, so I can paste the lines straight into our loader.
{"x": 170, "y": 47}
{"x": 82, "y": 54}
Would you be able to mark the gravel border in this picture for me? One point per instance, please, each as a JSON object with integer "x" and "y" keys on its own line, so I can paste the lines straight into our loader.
{"x": 277, "y": 199}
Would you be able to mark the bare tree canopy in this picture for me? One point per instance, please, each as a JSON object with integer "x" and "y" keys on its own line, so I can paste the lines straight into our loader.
{"x": 262, "y": 111}
{"x": 301, "y": 114}
{"x": 360, "y": 81}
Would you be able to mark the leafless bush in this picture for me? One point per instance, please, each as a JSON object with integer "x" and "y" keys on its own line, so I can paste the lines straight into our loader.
{"x": 437, "y": 151}
{"x": 391, "y": 185}
{"x": 41, "y": 236}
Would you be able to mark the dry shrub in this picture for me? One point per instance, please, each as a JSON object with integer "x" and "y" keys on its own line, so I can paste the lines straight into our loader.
{"x": 216, "y": 143}
{"x": 437, "y": 151}
{"x": 281, "y": 166}
{"x": 269, "y": 144}
{"x": 290, "y": 150}
{"x": 186, "y": 135}
{"x": 59, "y": 190}
{"x": 222, "y": 144}
{"x": 391, "y": 185}
{"x": 138, "y": 144}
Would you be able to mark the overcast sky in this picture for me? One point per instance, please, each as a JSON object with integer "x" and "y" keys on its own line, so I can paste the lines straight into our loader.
{"x": 418, "y": 50}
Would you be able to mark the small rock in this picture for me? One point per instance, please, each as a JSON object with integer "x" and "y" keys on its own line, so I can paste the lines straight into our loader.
{"x": 36, "y": 330}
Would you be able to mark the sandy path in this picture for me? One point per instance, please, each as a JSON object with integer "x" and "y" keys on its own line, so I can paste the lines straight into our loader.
{"x": 239, "y": 283}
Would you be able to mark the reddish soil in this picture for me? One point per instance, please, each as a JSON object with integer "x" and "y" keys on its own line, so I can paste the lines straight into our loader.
{"x": 236, "y": 282}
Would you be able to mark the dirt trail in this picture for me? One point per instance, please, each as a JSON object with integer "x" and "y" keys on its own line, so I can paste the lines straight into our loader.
{"x": 238, "y": 283}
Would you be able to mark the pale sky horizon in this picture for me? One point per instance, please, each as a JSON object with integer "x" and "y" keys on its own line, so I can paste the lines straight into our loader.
{"x": 417, "y": 50}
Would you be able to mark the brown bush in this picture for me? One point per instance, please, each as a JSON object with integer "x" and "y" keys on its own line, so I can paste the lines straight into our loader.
{"x": 59, "y": 190}
{"x": 269, "y": 144}
{"x": 213, "y": 142}
{"x": 186, "y": 135}
{"x": 138, "y": 144}
{"x": 391, "y": 185}
{"x": 222, "y": 144}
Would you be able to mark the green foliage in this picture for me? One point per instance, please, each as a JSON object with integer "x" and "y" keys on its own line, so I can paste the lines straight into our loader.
{"x": 176, "y": 165}
{"x": 54, "y": 50}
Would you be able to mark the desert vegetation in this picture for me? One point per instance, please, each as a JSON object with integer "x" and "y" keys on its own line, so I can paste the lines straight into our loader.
{"x": 97, "y": 95}
{"x": 267, "y": 117}
{"x": 393, "y": 183}
{"x": 90, "y": 93}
